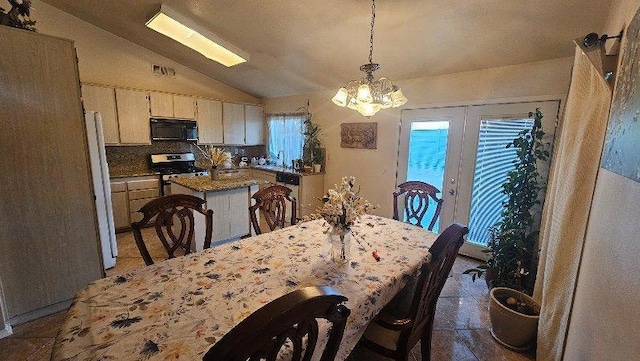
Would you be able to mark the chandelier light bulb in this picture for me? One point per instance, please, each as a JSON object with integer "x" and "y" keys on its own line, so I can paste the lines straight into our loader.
{"x": 340, "y": 99}
{"x": 368, "y": 109}
{"x": 364, "y": 94}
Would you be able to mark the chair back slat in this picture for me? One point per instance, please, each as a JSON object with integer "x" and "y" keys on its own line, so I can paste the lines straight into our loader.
{"x": 271, "y": 203}
{"x": 173, "y": 220}
{"x": 416, "y": 199}
{"x": 290, "y": 319}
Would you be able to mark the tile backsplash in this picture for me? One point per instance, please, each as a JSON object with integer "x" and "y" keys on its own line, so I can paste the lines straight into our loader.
{"x": 135, "y": 159}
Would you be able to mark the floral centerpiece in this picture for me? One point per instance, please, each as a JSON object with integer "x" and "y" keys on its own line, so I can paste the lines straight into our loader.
{"x": 341, "y": 209}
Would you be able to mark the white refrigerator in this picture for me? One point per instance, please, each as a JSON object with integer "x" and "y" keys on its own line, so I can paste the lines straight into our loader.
{"x": 102, "y": 188}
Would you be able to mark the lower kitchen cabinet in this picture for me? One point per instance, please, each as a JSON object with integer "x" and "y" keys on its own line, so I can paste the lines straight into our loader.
{"x": 120, "y": 205}
{"x": 310, "y": 194}
{"x": 128, "y": 195}
{"x": 230, "y": 212}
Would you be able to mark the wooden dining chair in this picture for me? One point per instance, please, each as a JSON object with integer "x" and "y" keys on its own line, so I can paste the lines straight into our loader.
{"x": 291, "y": 319}
{"x": 398, "y": 327}
{"x": 416, "y": 202}
{"x": 271, "y": 204}
{"x": 172, "y": 218}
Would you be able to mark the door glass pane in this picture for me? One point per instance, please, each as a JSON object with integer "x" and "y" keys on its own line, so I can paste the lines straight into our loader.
{"x": 493, "y": 162}
{"x": 427, "y": 152}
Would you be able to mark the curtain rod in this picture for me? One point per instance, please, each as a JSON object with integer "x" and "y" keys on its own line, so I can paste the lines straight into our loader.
{"x": 295, "y": 113}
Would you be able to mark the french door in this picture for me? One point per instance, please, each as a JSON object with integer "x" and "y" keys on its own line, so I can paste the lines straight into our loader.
{"x": 462, "y": 152}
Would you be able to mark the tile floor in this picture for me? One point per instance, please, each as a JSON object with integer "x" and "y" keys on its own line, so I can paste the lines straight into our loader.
{"x": 461, "y": 329}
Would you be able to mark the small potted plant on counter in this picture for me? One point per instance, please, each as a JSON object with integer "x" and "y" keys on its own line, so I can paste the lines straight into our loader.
{"x": 512, "y": 248}
{"x": 313, "y": 153}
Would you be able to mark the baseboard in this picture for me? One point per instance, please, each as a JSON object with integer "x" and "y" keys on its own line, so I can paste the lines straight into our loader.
{"x": 6, "y": 331}
{"x": 41, "y": 312}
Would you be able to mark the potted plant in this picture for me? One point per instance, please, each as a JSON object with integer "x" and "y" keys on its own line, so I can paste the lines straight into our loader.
{"x": 313, "y": 153}
{"x": 512, "y": 248}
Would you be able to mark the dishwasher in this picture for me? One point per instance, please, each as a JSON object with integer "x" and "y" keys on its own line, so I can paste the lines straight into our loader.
{"x": 291, "y": 181}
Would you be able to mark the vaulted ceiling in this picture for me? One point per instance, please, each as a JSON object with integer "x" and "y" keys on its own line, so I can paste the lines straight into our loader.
{"x": 305, "y": 46}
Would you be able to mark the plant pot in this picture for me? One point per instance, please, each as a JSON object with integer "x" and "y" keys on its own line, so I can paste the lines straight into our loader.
{"x": 317, "y": 168}
{"x": 514, "y": 330}
{"x": 214, "y": 174}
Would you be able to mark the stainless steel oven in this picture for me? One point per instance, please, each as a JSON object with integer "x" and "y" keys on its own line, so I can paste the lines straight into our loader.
{"x": 172, "y": 165}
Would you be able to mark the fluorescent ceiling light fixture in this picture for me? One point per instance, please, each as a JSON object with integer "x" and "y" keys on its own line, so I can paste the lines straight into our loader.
{"x": 183, "y": 30}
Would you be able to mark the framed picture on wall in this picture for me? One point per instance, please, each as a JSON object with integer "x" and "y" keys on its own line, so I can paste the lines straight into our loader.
{"x": 359, "y": 135}
{"x": 621, "y": 155}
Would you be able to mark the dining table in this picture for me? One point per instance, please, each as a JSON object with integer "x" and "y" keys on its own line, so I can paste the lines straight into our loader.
{"x": 179, "y": 308}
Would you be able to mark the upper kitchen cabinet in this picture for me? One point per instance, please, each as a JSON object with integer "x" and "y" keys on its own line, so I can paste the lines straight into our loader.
{"x": 184, "y": 107}
{"x": 254, "y": 124}
{"x": 233, "y": 120}
{"x": 133, "y": 116}
{"x": 167, "y": 105}
{"x": 103, "y": 100}
{"x": 209, "y": 121}
{"x": 161, "y": 104}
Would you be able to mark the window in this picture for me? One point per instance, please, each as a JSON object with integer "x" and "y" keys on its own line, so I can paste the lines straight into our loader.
{"x": 285, "y": 135}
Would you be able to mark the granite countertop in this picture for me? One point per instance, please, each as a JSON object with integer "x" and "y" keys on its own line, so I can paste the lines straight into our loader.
{"x": 205, "y": 184}
{"x": 275, "y": 168}
{"x": 114, "y": 173}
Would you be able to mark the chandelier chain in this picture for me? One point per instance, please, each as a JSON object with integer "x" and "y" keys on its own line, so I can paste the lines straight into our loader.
{"x": 373, "y": 20}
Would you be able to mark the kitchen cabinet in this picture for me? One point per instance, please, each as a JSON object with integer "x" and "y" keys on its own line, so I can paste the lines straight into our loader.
{"x": 209, "y": 120}
{"x": 140, "y": 191}
{"x": 254, "y": 124}
{"x": 310, "y": 194}
{"x": 165, "y": 105}
{"x": 49, "y": 241}
{"x": 120, "y": 205}
{"x": 161, "y": 104}
{"x": 103, "y": 100}
{"x": 231, "y": 215}
{"x": 263, "y": 175}
{"x": 233, "y": 123}
{"x": 234, "y": 173}
{"x": 184, "y": 107}
{"x": 133, "y": 116}
{"x": 128, "y": 195}
{"x": 230, "y": 212}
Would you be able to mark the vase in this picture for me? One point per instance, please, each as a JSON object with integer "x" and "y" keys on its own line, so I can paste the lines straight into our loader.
{"x": 513, "y": 327}
{"x": 215, "y": 173}
{"x": 340, "y": 239}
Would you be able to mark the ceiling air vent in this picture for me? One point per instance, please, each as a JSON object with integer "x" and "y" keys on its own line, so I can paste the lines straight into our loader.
{"x": 160, "y": 70}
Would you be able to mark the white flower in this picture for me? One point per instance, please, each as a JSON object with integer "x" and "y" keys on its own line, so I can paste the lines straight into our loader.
{"x": 343, "y": 205}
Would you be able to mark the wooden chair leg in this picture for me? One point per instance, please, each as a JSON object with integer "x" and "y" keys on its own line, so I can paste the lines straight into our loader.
{"x": 425, "y": 346}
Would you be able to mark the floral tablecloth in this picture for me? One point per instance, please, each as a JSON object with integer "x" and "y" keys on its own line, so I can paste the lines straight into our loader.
{"x": 178, "y": 308}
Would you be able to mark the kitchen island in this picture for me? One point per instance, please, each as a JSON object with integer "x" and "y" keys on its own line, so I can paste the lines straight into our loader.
{"x": 229, "y": 198}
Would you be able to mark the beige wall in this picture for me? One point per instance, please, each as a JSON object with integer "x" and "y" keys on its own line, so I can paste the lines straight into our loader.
{"x": 606, "y": 310}
{"x": 375, "y": 169}
{"x": 107, "y": 59}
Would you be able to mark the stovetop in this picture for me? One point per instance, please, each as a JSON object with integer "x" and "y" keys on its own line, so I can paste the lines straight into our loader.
{"x": 179, "y": 170}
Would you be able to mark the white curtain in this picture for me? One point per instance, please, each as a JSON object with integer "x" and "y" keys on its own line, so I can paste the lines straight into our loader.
{"x": 568, "y": 200}
{"x": 285, "y": 135}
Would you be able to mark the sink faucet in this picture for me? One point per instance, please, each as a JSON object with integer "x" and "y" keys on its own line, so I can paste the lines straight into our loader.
{"x": 283, "y": 166}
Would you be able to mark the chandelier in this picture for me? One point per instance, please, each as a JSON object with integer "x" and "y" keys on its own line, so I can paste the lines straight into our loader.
{"x": 368, "y": 95}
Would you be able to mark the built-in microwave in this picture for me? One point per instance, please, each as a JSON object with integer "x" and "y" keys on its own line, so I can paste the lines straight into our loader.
{"x": 173, "y": 129}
